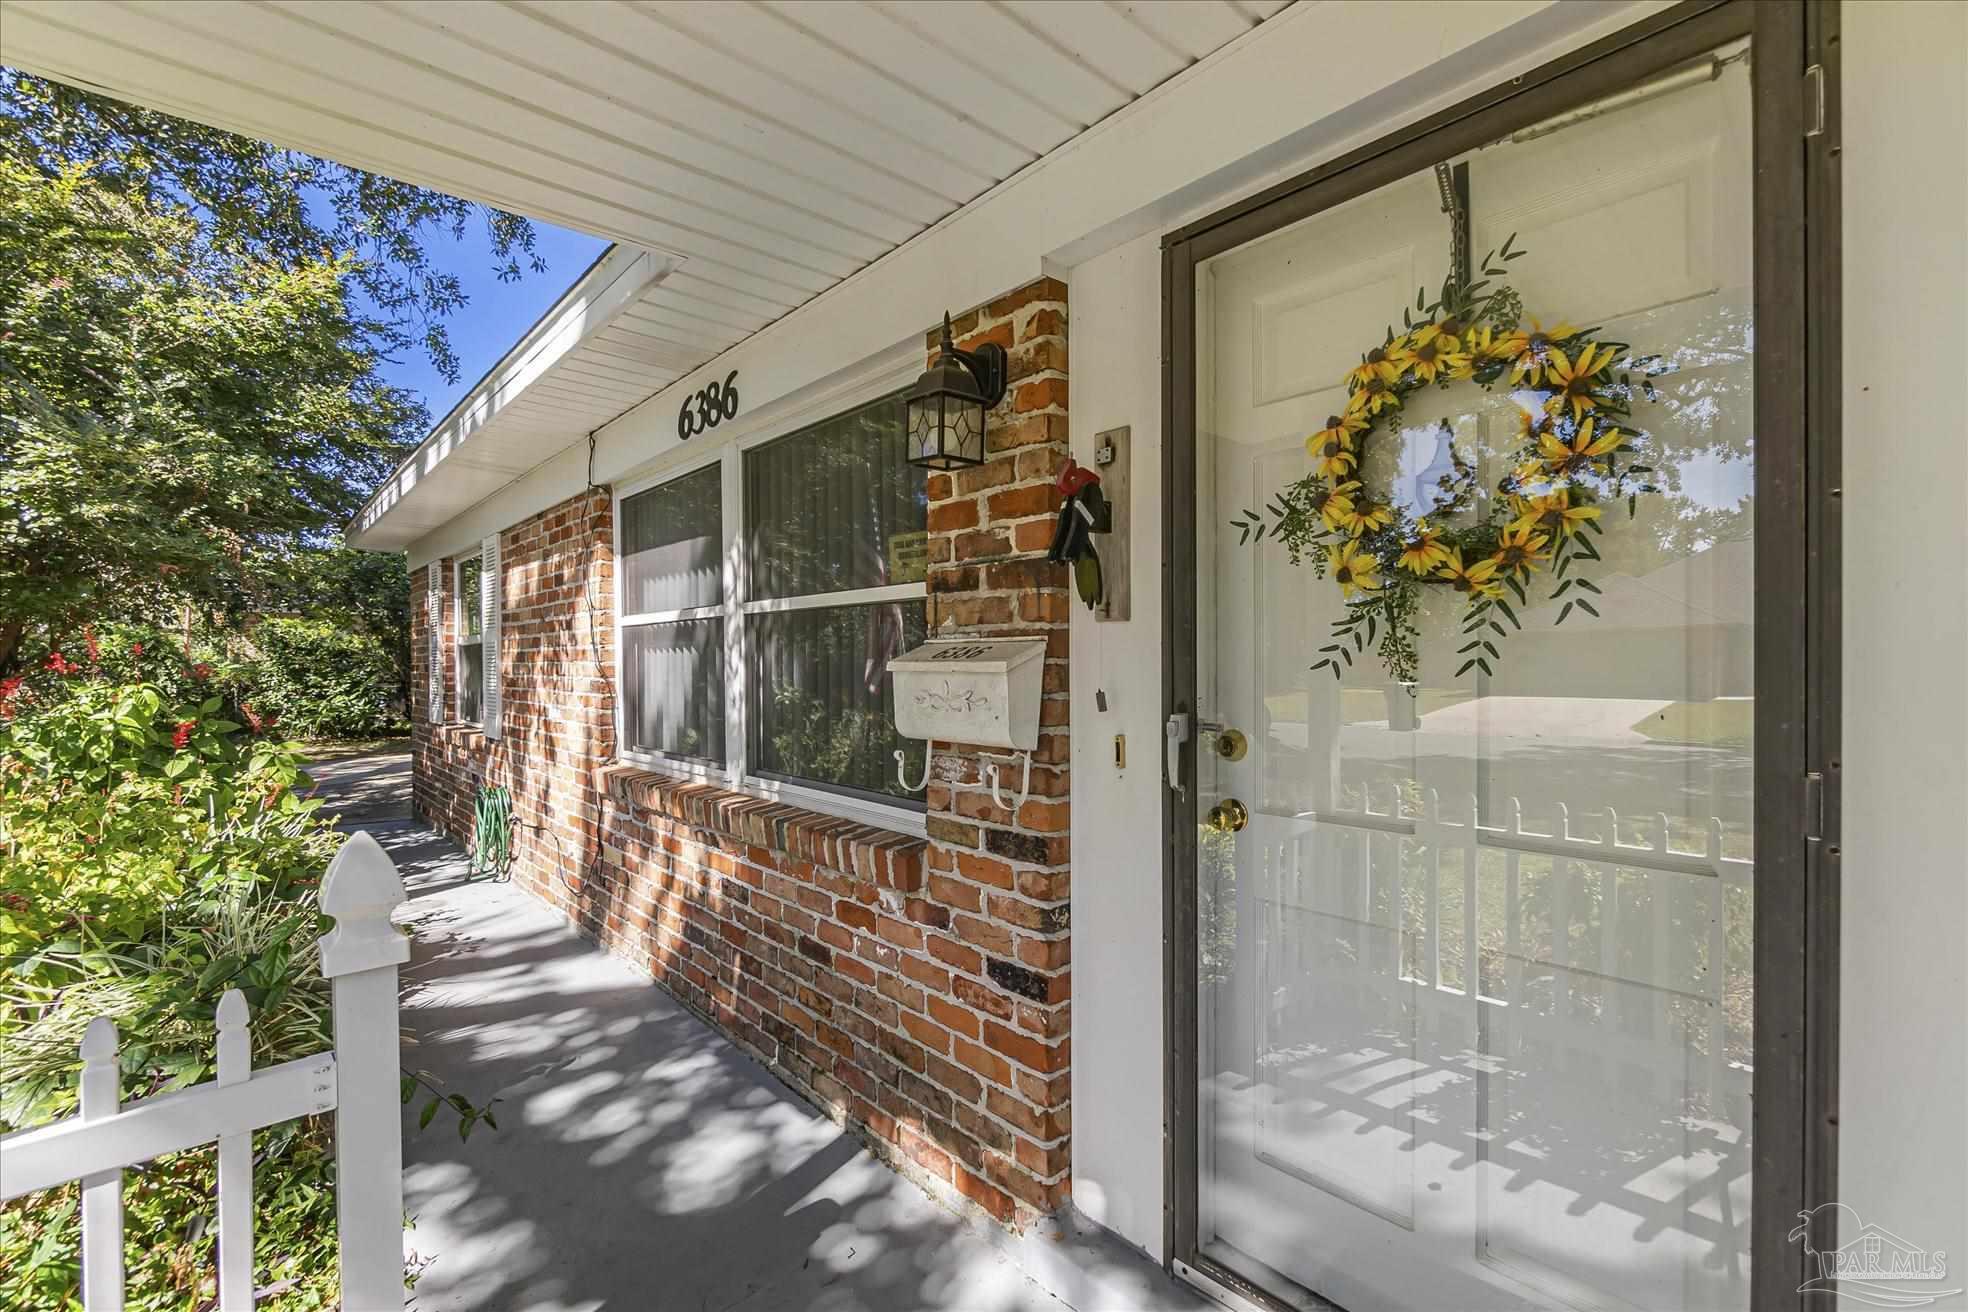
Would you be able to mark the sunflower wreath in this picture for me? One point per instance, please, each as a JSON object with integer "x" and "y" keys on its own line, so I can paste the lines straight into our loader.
{"x": 1575, "y": 452}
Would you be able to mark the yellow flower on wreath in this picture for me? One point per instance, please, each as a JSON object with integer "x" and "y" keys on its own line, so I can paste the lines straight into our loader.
{"x": 1530, "y": 350}
{"x": 1366, "y": 516}
{"x": 1373, "y": 396}
{"x": 1342, "y": 428}
{"x": 1563, "y": 459}
{"x": 1440, "y": 355}
{"x": 1481, "y": 342}
{"x": 1573, "y": 381}
{"x": 1475, "y": 580}
{"x": 1423, "y": 553}
{"x": 1332, "y": 447}
{"x": 1331, "y": 461}
{"x": 1532, "y": 425}
{"x": 1552, "y": 513}
{"x": 1379, "y": 363}
{"x": 1335, "y": 504}
{"x": 1354, "y": 569}
{"x": 1520, "y": 549}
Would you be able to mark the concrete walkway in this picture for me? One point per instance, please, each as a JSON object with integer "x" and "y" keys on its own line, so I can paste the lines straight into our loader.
{"x": 641, "y": 1161}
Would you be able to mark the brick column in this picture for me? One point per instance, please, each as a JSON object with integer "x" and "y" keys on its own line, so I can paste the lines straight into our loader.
{"x": 1003, "y": 878}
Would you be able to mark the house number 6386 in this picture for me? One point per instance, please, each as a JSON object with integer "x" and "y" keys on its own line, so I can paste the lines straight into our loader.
{"x": 708, "y": 407}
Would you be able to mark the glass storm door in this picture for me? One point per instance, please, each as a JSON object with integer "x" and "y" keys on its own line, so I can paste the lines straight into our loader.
{"x": 1474, "y": 970}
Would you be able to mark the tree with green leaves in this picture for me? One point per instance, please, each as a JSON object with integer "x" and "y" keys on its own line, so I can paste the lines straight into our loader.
{"x": 191, "y": 329}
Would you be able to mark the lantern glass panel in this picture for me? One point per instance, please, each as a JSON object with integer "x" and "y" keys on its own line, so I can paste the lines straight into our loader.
{"x": 964, "y": 435}
{"x": 925, "y": 423}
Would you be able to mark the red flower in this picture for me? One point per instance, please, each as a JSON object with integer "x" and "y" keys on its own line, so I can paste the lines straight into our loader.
{"x": 183, "y": 735}
{"x": 136, "y": 650}
{"x": 201, "y": 671}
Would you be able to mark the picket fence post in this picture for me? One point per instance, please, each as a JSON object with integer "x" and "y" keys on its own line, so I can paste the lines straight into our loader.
{"x": 361, "y": 955}
{"x": 102, "y": 1193}
{"x": 235, "y": 1164}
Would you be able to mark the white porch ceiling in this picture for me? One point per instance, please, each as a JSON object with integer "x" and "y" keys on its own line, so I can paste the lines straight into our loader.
{"x": 766, "y": 149}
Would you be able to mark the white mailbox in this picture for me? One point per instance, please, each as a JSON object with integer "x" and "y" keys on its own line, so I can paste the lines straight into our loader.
{"x": 971, "y": 690}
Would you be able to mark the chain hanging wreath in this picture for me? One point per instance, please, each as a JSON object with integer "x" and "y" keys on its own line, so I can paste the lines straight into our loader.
{"x": 1574, "y": 437}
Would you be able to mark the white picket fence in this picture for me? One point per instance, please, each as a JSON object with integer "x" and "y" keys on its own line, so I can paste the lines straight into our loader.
{"x": 358, "y": 1081}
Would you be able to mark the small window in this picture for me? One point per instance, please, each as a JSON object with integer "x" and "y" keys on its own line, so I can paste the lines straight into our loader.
{"x": 836, "y": 522}
{"x": 471, "y": 642}
{"x": 673, "y": 618}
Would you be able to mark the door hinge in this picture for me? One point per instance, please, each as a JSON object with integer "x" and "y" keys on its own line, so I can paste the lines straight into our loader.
{"x": 1813, "y": 806}
{"x": 1814, "y": 101}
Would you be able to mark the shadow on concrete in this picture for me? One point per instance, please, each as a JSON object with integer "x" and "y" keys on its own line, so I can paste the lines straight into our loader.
{"x": 643, "y": 1162}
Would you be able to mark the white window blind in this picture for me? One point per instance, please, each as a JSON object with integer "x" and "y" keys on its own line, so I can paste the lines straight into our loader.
{"x": 490, "y": 602}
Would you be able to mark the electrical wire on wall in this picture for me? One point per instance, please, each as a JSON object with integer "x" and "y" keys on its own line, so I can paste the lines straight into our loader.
{"x": 594, "y": 651}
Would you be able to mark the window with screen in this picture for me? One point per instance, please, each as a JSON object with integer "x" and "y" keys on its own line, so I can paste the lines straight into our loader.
{"x": 471, "y": 641}
{"x": 835, "y": 538}
{"x": 762, "y": 645}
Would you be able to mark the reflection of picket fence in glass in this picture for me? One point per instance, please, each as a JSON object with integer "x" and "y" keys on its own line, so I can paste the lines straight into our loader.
{"x": 1452, "y": 957}
{"x": 1527, "y": 1029}
{"x": 358, "y": 1081}
{"x": 1452, "y": 846}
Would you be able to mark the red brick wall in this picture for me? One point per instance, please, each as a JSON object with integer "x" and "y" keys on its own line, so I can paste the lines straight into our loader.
{"x": 918, "y": 991}
{"x": 557, "y": 655}
{"x": 1003, "y": 878}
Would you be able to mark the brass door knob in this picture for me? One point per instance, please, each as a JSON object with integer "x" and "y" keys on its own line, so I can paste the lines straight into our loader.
{"x": 1229, "y": 815}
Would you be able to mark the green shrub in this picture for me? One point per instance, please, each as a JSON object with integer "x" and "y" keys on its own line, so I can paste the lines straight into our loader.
{"x": 154, "y": 854}
{"x": 319, "y": 680}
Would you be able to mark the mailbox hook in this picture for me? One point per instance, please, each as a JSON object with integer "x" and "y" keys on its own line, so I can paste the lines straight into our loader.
{"x": 903, "y": 779}
{"x": 1024, "y": 782}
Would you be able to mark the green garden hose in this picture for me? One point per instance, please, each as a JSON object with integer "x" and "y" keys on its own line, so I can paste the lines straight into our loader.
{"x": 492, "y": 832}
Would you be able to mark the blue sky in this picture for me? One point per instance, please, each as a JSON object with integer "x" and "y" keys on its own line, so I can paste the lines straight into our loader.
{"x": 497, "y": 313}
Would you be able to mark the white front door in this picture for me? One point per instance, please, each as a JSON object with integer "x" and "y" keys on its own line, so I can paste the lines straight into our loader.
{"x": 1475, "y": 970}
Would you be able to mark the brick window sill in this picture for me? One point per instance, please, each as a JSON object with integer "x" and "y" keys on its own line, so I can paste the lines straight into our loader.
{"x": 888, "y": 859}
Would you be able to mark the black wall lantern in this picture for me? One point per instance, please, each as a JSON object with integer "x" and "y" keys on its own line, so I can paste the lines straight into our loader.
{"x": 947, "y": 404}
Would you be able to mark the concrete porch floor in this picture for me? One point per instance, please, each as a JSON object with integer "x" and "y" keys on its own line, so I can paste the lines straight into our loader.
{"x": 642, "y": 1161}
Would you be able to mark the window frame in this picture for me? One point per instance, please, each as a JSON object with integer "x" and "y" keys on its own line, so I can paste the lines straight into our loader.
{"x": 894, "y": 371}
{"x": 461, "y": 619}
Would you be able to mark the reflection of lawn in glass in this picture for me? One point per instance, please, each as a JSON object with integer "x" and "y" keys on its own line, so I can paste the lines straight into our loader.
{"x": 845, "y": 745}
{"x": 825, "y": 698}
